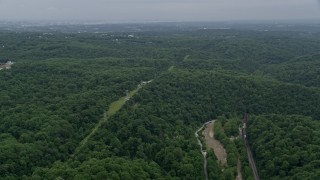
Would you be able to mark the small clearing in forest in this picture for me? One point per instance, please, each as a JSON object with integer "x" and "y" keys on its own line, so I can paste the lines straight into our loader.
{"x": 214, "y": 144}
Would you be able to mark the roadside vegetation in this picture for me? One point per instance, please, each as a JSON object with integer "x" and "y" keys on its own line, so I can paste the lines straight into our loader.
{"x": 226, "y": 131}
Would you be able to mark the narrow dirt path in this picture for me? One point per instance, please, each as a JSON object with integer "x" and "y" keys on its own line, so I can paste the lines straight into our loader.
{"x": 239, "y": 176}
{"x": 214, "y": 144}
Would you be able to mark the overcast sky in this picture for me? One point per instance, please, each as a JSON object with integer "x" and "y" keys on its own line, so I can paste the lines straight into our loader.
{"x": 158, "y": 10}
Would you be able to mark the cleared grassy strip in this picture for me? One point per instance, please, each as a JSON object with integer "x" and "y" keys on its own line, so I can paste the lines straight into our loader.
{"x": 171, "y": 68}
{"x": 186, "y": 58}
{"x": 117, "y": 105}
{"x": 113, "y": 109}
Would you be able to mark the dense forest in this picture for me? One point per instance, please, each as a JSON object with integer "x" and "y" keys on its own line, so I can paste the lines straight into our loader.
{"x": 287, "y": 147}
{"x": 62, "y": 84}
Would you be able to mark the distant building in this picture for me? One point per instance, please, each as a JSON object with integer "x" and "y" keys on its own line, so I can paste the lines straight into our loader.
{"x": 143, "y": 83}
{"x": 9, "y": 63}
{"x": 6, "y": 65}
{"x": 2, "y": 66}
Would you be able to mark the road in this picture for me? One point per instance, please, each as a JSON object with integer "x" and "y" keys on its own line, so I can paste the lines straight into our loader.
{"x": 251, "y": 161}
{"x": 220, "y": 152}
{"x": 212, "y": 143}
{"x": 250, "y": 156}
{"x": 203, "y": 152}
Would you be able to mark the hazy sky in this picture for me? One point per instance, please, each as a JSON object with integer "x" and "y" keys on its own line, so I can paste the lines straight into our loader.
{"x": 158, "y": 10}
